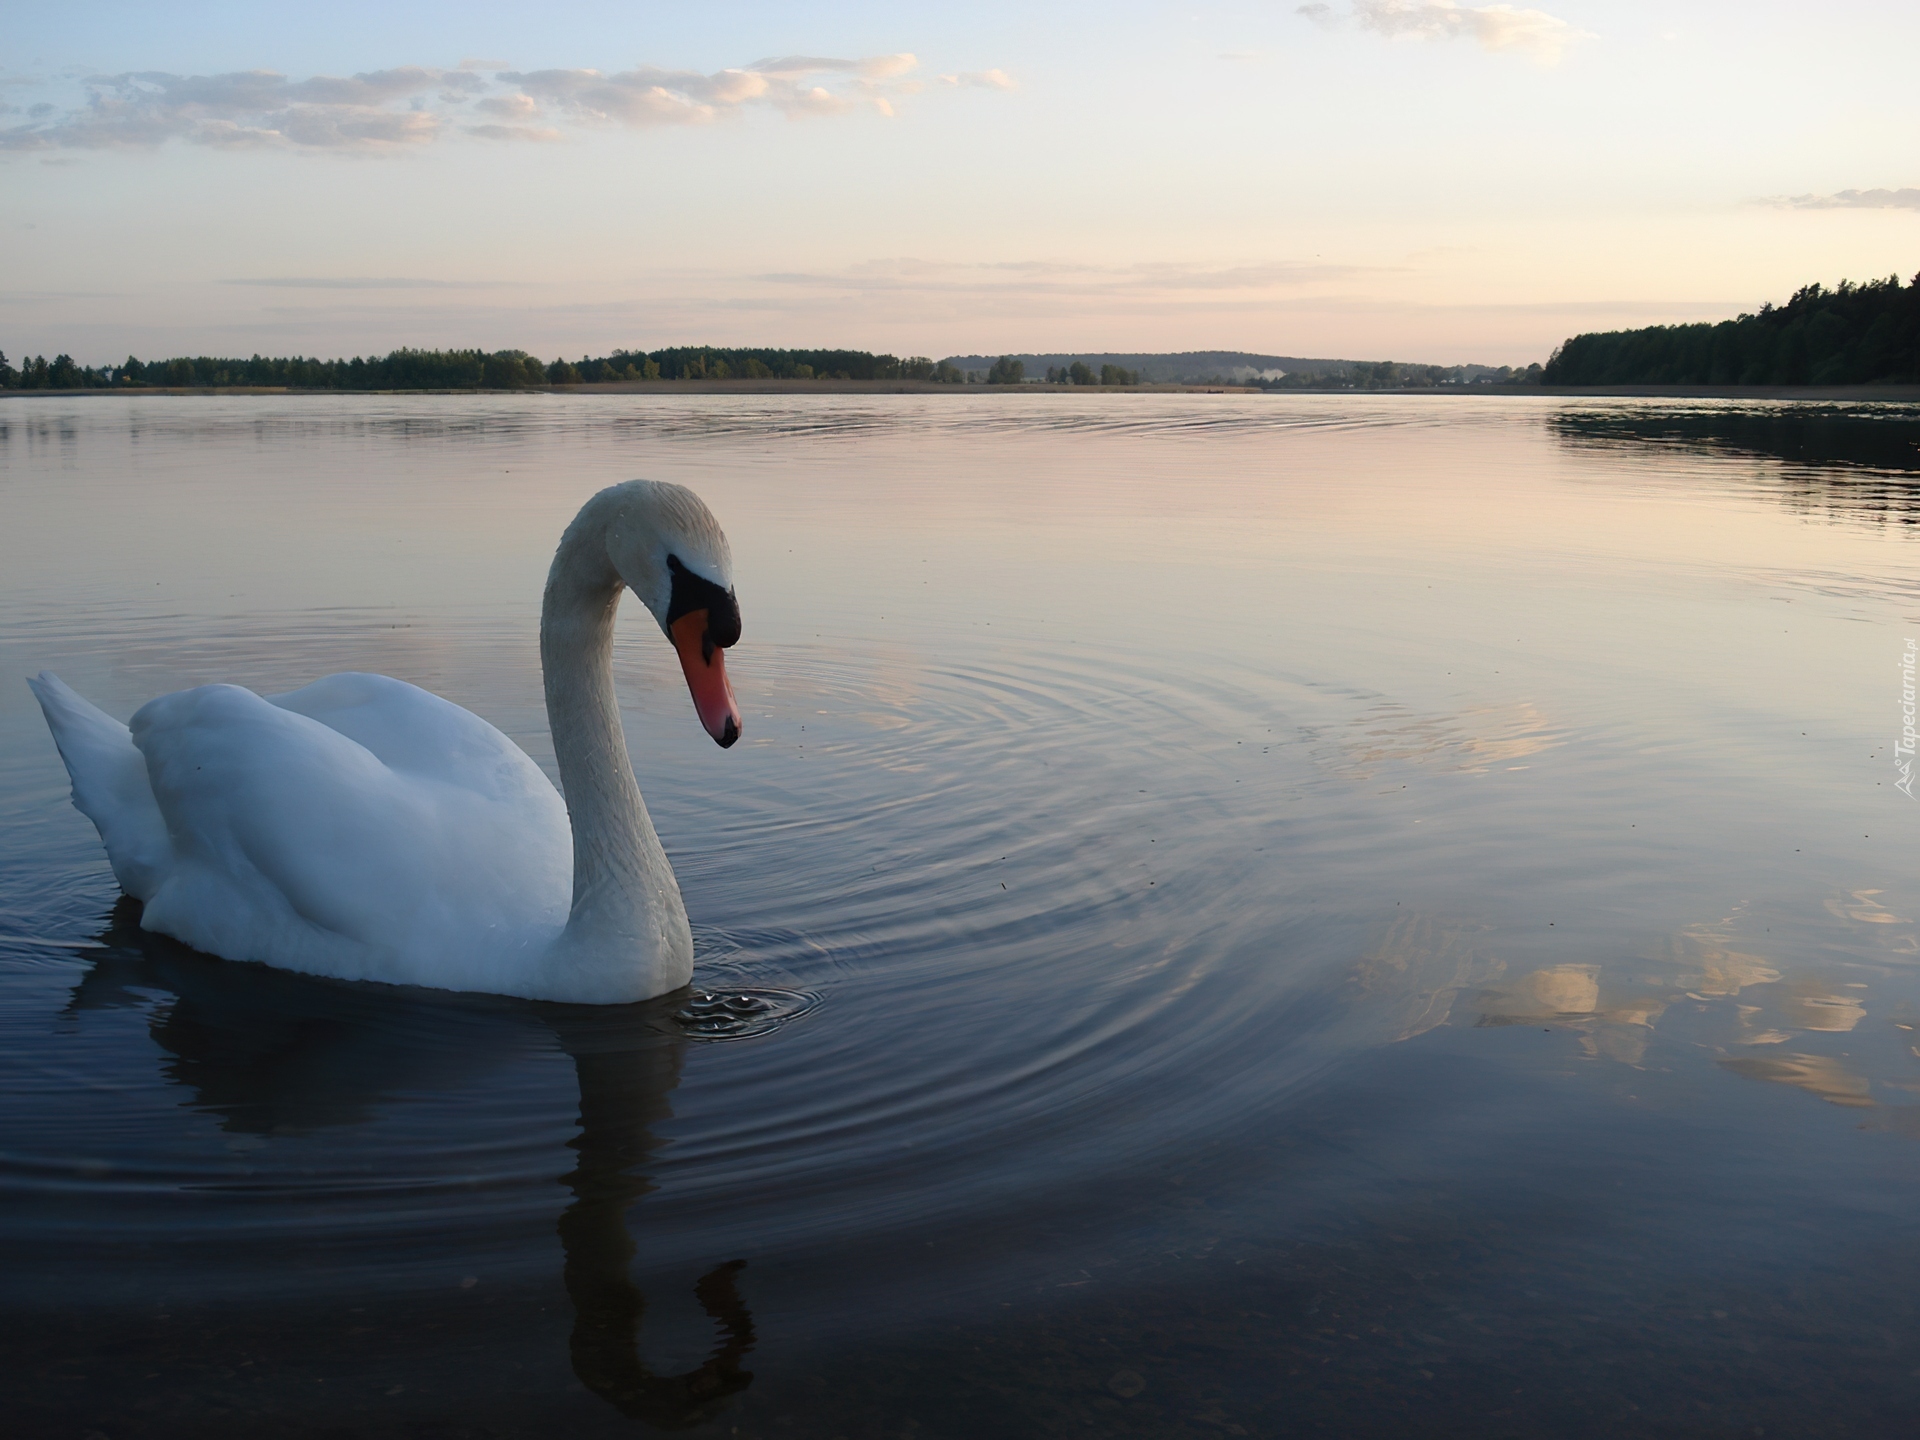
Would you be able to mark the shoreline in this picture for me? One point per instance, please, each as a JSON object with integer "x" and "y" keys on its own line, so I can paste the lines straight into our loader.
{"x": 678, "y": 387}
{"x": 1694, "y": 392}
{"x": 1891, "y": 393}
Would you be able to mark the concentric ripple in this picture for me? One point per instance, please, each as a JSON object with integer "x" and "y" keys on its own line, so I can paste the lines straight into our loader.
{"x": 740, "y": 1013}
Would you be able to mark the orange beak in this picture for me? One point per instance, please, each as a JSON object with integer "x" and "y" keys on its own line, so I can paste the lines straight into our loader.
{"x": 706, "y": 668}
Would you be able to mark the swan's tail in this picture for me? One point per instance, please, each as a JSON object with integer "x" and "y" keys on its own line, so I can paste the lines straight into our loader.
{"x": 110, "y": 785}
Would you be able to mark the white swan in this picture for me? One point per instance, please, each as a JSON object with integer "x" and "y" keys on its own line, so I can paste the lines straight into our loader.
{"x": 365, "y": 829}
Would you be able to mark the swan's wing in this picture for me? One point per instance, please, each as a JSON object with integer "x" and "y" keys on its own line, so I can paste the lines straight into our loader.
{"x": 110, "y": 784}
{"x": 297, "y": 844}
{"x": 415, "y": 732}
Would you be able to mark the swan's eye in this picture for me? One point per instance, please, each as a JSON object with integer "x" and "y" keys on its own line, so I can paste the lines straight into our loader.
{"x": 693, "y": 592}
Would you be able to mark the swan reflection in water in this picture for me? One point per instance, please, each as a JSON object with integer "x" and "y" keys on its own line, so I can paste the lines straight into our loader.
{"x": 275, "y": 1054}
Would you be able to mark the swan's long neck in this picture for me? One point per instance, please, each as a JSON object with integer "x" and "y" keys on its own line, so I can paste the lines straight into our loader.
{"x": 627, "y": 917}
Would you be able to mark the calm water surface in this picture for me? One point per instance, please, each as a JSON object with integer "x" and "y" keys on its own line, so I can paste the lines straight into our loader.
{"x": 1306, "y": 915}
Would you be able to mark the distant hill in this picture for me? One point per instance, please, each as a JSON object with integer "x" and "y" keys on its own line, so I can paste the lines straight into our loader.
{"x": 1186, "y": 365}
{"x": 1196, "y": 365}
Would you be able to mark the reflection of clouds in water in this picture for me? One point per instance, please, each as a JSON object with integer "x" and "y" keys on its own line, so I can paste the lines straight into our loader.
{"x": 1736, "y": 1004}
{"x": 1612, "y": 1014}
{"x": 1787, "y": 1006}
{"x": 1473, "y": 741}
{"x": 1815, "y": 1003}
{"x": 1860, "y": 905}
{"x": 1412, "y": 978}
{"x": 1820, "y": 1075}
{"x": 1429, "y": 970}
{"x": 1708, "y": 965}
{"x": 1565, "y": 989}
{"x": 1810, "y": 1005}
{"x": 1710, "y": 971}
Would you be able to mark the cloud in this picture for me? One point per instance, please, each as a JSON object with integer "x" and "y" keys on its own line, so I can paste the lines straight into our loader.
{"x": 649, "y": 95}
{"x": 981, "y": 80}
{"x": 874, "y": 67}
{"x": 1243, "y": 277}
{"x": 241, "y": 109}
{"x": 358, "y": 282}
{"x": 1907, "y": 199}
{"x": 31, "y": 297}
{"x": 400, "y": 109}
{"x": 539, "y": 134}
{"x": 374, "y": 88}
{"x": 358, "y": 128}
{"x": 510, "y": 107}
{"x": 1542, "y": 37}
{"x": 1058, "y": 280}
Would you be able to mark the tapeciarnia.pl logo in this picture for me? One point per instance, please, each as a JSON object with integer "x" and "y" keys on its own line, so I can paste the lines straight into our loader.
{"x": 1904, "y": 745}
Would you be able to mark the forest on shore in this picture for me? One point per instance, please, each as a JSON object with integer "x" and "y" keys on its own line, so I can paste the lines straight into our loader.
{"x": 474, "y": 369}
{"x": 412, "y": 369}
{"x": 1850, "y": 335}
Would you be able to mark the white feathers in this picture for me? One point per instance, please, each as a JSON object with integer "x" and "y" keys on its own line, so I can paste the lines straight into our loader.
{"x": 360, "y": 828}
{"x": 364, "y": 829}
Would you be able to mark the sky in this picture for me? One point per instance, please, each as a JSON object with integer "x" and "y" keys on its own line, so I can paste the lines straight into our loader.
{"x": 1406, "y": 179}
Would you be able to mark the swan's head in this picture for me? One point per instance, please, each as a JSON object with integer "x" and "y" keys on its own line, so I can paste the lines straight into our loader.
{"x": 672, "y": 554}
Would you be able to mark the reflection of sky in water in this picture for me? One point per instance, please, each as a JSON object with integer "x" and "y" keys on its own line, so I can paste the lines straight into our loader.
{"x": 1429, "y": 972}
{"x": 1217, "y": 831}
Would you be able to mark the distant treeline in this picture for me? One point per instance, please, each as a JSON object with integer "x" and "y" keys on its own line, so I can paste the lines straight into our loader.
{"x": 477, "y": 369}
{"x": 1851, "y": 335}
{"x": 1352, "y": 375}
{"x": 1009, "y": 370}
{"x": 1390, "y": 375}
{"x": 1240, "y": 367}
{"x": 517, "y": 370}
{"x": 1078, "y": 373}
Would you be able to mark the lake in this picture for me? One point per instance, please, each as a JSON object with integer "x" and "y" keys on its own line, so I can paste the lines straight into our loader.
{"x": 1307, "y": 914}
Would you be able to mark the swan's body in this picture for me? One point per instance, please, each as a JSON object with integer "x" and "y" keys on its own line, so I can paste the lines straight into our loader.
{"x": 365, "y": 829}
